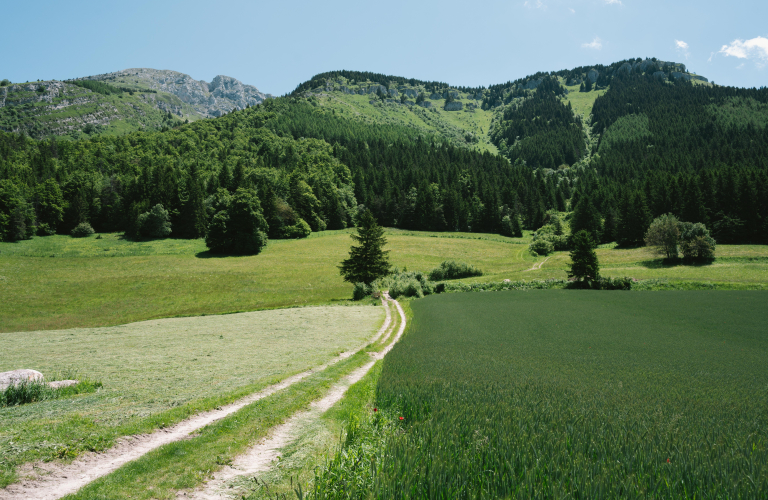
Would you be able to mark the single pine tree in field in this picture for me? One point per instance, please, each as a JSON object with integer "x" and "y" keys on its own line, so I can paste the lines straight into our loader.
{"x": 584, "y": 265}
{"x": 367, "y": 262}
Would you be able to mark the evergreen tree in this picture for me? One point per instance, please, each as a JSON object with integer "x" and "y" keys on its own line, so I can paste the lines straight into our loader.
{"x": 584, "y": 265}
{"x": 633, "y": 221}
{"x": 191, "y": 221}
{"x": 367, "y": 262}
{"x": 586, "y": 218}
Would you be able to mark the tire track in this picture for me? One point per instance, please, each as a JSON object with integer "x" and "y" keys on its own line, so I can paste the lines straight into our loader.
{"x": 259, "y": 458}
{"x": 55, "y": 480}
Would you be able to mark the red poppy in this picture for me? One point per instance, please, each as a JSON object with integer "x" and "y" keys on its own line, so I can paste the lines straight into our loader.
{"x": 375, "y": 409}
{"x": 667, "y": 460}
{"x": 401, "y": 418}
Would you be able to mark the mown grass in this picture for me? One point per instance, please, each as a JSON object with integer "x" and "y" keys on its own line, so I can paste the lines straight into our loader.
{"x": 186, "y": 464}
{"x": 157, "y": 373}
{"x": 81, "y": 287}
{"x": 574, "y": 394}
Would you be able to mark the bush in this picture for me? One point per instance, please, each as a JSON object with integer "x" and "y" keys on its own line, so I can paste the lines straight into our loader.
{"x": 299, "y": 230}
{"x": 4, "y": 82}
{"x": 541, "y": 246}
{"x": 154, "y": 224}
{"x": 450, "y": 270}
{"x": 361, "y": 291}
{"x": 695, "y": 242}
{"x": 82, "y": 230}
{"x": 405, "y": 284}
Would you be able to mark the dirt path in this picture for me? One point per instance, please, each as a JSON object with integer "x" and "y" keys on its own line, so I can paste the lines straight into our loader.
{"x": 538, "y": 265}
{"x": 53, "y": 480}
{"x": 259, "y": 458}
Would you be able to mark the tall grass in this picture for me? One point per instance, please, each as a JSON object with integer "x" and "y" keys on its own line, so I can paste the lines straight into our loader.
{"x": 38, "y": 390}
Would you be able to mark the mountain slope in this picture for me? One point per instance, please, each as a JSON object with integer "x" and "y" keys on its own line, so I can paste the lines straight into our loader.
{"x": 126, "y": 101}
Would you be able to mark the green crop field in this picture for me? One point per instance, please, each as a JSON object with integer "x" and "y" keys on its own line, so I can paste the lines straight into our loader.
{"x": 158, "y": 372}
{"x": 61, "y": 282}
{"x": 576, "y": 394}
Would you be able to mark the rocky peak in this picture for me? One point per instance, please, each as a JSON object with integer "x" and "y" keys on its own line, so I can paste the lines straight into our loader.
{"x": 221, "y": 95}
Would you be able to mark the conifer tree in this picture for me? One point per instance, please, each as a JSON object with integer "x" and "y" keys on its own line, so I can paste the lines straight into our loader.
{"x": 584, "y": 265}
{"x": 367, "y": 262}
{"x": 586, "y": 218}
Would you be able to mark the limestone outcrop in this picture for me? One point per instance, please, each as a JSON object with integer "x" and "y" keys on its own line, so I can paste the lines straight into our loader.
{"x": 453, "y": 106}
{"x": 221, "y": 95}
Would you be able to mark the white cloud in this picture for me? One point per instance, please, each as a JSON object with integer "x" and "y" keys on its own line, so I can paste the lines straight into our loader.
{"x": 682, "y": 47}
{"x": 572, "y": 11}
{"x": 596, "y": 44}
{"x": 537, "y": 4}
{"x": 710, "y": 57}
{"x": 747, "y": 49}
{"x": 613, "y": 2}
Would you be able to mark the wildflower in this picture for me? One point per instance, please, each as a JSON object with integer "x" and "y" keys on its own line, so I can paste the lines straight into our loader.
{"x": 375, "y": 410}
{"x": 667, "y": 460}
{"x": 401, "y": 418}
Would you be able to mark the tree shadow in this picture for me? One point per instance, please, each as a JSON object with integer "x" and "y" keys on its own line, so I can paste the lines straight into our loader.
{"x": 670, "y": 263}
{"x": 207, "y": 254}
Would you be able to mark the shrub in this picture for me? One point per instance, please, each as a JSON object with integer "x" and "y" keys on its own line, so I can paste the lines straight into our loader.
{"x": 4, "y": 82}
{"x": 361, "y": 291}
{"x": 450, "y": 270}
{"x": 541, "y": 246}
{"x": 695, "y": 242}
{"x": 82, "y": 230}
{"x": 299, "y": 230}
{"x": 405, "y": 284}
{"x": 154, "y": 224}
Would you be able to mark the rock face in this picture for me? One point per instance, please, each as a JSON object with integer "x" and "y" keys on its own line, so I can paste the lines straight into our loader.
{"x": 592, "y": 75}
{"x": 222, "y": 95}
{"x": 410, "y": 92}
{"x": 435, "y": 96}
{"x": 453, "y": 106}
{"x": 660, "y": 74}
{"x": 425, "y": 104}
{"x": 16, "y": 377}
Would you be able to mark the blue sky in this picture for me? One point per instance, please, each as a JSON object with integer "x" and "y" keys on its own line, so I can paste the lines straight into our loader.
{"x": 276, "y": 45}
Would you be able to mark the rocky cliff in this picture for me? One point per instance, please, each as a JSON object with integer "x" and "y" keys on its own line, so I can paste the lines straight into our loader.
{"x": 221, "y": 95}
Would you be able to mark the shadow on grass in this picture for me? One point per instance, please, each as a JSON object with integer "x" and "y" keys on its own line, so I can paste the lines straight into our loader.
{"x": 670, "y": 263}
{"x": 207, "y": 254}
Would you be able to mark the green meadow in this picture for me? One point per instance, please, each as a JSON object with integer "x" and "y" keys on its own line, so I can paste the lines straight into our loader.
{"x": 60, "y": 282}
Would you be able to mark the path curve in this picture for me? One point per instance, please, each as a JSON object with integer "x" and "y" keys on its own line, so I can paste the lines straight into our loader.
{"x": 55, "y": 480}
{"x": 259, "y": 458}
{"x": 538, "y": 265}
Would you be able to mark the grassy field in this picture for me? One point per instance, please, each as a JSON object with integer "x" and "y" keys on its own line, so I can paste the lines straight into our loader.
{"x": 158, "y": 372}
{"x": 61, "y": 282}
{"x": 563, "y": 394}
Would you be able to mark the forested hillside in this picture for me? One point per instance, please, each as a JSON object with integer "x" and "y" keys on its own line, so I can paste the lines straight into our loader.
{"x": 658, "y": 141}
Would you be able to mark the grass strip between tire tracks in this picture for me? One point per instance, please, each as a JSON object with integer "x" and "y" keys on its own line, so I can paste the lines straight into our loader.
{"x": 188, "y": 463}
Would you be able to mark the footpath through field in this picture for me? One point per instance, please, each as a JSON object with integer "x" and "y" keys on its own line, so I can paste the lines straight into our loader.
{"x": 54, "y": 480}
{"x": 260, "y": 457}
